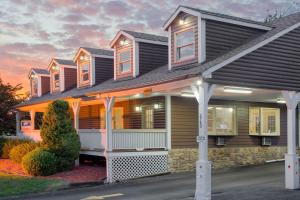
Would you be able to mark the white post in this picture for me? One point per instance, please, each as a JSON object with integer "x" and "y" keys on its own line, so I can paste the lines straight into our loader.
{"x": 76, "y": 110}
{"x": 18, "y": 131}
{"x": 109, "y": 104}
{"x": 168, "y": 121}
{"x": 291, "y": 158}
{"x": 32, "y": 119}
{"x": 203, "y": 91}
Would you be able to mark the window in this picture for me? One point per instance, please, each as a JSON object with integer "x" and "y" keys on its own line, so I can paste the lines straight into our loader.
{"x": 84, "y": 73}
{"x": 124, "y": 61}
{"x": 264, "y": 121}
{"x": 147, "y": 117}
{"x": 221, "y": 120}
{"x": 185, "y": 44}
{"x": 34, "y": 85}
{"x": 56, "y": 80}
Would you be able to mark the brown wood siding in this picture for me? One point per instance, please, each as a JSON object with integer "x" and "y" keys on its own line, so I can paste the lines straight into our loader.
{"x": 221, "y": 37}
{"x": 175, "y": 26}
{"x": 152, "y": 56}
{"x": 273, "y": 66}
{"x": 90, "y": 116}
{"x": 104, "y": 69}
{"x": 184, "y": 119}
{"x": 118, "y": 48}
{"x": 70, "y": 78}
{"x": 45, "y": 84}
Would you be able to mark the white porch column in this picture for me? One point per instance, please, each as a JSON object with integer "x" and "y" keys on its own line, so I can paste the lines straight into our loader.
{"x": 18, "y": 130}
{"x": 291, "y": 158}
{"x": 109, "y": 104}
{"x": 32, "y": 119}
{"x": 203, "y": 91}
{"x": 76, "y": 110}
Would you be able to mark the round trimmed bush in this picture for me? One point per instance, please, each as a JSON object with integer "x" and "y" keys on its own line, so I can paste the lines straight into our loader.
{"x": 18, "y": 152}
{"x": 39, "y": 162}
{"x": 11, "y": 143}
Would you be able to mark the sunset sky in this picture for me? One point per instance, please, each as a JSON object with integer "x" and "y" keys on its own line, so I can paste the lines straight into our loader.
{"x": 34, "y": 31}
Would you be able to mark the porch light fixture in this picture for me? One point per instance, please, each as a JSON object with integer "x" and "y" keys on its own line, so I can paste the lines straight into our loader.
{"x": 239, "y": 90}
{"x": 199, "y": 82}
{"x": 182, "y": 20}
{"x": 138, "y": 108}
{"x": 280, "y": 100}
{"x": 123, "y": 42}
{"x": 33, "y": 76}
{"x": 186, "y": 94}
{"x": 156, "y": 106}
{"x": 55, "y": 67}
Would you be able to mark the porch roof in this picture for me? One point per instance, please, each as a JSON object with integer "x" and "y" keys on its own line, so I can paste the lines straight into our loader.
{"x": 163, "y": 75}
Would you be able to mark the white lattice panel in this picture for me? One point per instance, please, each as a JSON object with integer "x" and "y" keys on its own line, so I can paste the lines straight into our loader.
{"x": 131, "y": 165}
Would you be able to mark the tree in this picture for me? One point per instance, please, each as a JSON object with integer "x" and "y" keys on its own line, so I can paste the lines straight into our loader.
{"x": 8, "y": 99}
{"x": 58, "y": 135}
{"x": 291, "y": 7}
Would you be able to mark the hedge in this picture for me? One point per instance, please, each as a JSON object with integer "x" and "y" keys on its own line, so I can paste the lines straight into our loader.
{"x": 18, "y": 152}
{"x": 8, "y": 144}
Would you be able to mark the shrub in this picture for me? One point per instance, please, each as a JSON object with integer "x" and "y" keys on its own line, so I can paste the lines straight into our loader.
{"x": 58, "y": 135}
{"x": 39, "y": 162}
{"x": 11, "y": 143}
{"x": 18, "y": 152}
{"x": 2, "y": 142}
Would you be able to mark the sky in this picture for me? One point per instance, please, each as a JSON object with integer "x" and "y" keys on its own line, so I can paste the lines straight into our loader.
{"x": 34, "y": 31}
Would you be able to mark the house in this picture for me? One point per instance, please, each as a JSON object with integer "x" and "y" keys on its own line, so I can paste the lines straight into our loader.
{"x": 227, "y": 83}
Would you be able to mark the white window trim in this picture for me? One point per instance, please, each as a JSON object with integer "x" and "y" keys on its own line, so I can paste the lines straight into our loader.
{"x": 87, "y": 82}
{"x": 175, "y": 45}
{"x": 277, "y": 121}
{"x": 118, "y": 61}
{"x": 214, "y": 133}
{"x": 54, "y": 88}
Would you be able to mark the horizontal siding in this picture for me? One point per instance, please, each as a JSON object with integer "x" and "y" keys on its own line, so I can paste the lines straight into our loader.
{"x": 45, "y": 84}
{"x": 149, "y": 51}
{"x": 70, "y": 78}
{"x": 220, "y": 37}
{"x": 184, "y": 119}
{"x": 104, "y": 69}
{"x": 273, "y": 66}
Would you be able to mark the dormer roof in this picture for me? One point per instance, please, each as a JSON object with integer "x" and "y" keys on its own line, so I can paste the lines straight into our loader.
{"x": 94, "y": 52}
{"x": 38, "y": 71}
{"x": 62, "y": 62}
{"x": 141, "y": 37}
{"x": 217, "y": 17}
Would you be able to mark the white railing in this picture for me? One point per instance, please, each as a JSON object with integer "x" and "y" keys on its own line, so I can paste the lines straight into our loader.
{"x": 139, "y": 139}
{"x": 31, "y": 134}
{"x": 92, "y": 139}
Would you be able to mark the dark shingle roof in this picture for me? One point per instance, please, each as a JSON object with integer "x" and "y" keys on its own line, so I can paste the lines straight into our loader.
{"x": 95, "y": 51}
{"x": 40, "y": 71}
{"x": 205, "y": 12}
{"x": 65, "y": 62}
{"x": 162, "y": 74}
{"x": 147, "y": 36}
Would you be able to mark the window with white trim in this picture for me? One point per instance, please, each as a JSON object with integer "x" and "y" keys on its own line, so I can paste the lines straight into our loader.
{"x": 264, "y": 121}
{"x": 84, "y": 72}
{"x": 184, "y": 45}
{"x": 124, "y": 61}
{"x": 221, "y": 120}
{"x": 34, "y": 86}
{"x": 56, "y": 80}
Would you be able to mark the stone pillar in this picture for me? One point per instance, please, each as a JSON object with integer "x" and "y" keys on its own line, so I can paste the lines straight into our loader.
{"x": 291, "y": 158}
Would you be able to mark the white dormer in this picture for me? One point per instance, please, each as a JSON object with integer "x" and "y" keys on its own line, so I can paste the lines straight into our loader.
{"x": 39, "y": 82}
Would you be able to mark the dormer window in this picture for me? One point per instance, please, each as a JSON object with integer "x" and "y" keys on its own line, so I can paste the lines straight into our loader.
{"x": 56, "y": 80}
{"x": 124, "y": 61}
{"x": 185, "y": 45}
{"x": 34, "y": 85}
{"x": 84, "y": 70}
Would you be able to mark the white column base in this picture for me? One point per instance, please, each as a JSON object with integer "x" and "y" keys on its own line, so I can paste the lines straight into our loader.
{"x": 291, "y": 171}
{"x": 77, "y": 162}
{"x": 203, "y": 180}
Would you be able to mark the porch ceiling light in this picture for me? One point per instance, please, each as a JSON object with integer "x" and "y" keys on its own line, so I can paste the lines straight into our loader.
{"x": 123, "y": 42}
{"x": 138, "y": 108}
{"x": 280, "y": 100}
{"x": 187, "y": 94}
{"x": 239, "y": 90}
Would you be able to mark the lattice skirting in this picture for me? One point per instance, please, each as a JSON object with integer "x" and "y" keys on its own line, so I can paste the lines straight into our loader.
{"x": 122, "y": 166}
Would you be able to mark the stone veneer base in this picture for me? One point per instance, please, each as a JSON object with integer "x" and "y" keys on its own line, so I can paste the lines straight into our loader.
{"x": 181, "y": 160}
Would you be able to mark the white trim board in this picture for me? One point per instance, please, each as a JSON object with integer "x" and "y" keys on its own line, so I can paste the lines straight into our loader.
{"x": 249, "y": 50}
{"x": 206, "y": 16}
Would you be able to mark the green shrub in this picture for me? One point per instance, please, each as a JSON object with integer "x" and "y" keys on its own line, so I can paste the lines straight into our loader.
{"x": 18, "y": 152}
{"x": 11, "y": 143}
{"x": 39, "y": 162}
{"x": 58, "y": 135}
{"x": 2, "y": 142}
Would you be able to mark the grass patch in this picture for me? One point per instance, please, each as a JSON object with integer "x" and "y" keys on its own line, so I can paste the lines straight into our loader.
{"x": 11, "y": 185}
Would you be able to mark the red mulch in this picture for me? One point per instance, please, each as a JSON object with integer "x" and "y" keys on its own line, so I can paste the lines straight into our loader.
{"x": 78, "y": 175}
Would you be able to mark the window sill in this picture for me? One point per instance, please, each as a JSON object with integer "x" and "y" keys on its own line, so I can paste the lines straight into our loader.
{"x": 265, "y": 135}
{"x": 221, "y": 135}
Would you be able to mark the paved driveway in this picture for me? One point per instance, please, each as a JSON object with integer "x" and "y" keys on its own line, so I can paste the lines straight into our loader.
{"x": 245, "y": 183}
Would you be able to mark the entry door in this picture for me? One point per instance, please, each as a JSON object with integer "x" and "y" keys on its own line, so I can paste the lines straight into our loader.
{"x": 118, "y": 113}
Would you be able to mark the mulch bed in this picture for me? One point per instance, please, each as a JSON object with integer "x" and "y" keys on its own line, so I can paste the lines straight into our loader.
{"x": 79, "y": 174}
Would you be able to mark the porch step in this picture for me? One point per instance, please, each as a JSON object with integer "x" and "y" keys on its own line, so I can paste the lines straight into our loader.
{"x": 95, "y": 149}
